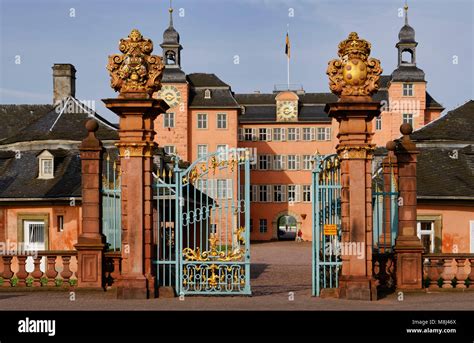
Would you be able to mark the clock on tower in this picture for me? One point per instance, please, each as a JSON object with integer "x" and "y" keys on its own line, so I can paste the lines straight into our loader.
{"x": 287, "y": 106}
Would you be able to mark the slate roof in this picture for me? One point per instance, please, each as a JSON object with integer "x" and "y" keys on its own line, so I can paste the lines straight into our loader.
{"x": 432, "y": 103}
{"x": 15, "y": 117}
{"x": 173, "y": 75}
{"x": 456, "y": 125}
{"x": 205, "y": 80}
{"x": 408, "y": 73}
{"x": 69, "y": 126}
{"x": 19, "y": 176}
{"x": 220, "y": 98}
{"x": 261, "y": 108}
{"x": 440, "y": 176}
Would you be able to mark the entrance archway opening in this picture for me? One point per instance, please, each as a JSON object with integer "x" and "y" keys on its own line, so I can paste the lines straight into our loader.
{"x": 287, "y": 228}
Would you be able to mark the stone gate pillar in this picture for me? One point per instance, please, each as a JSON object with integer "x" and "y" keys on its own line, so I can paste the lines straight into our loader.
{"x": 136, "y": 75}
{"x": 408, "y": 246}
{"x": 91, "y": 242}
{"x": 354, "y": 78}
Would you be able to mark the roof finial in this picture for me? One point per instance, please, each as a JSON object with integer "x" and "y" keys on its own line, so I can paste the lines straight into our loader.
{"x": 171, "y": 13}
{"x": 406, "y": 12}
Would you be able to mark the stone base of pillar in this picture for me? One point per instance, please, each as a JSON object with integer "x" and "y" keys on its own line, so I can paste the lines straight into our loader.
{"x": 166, "y": 292}
{"x": 133, "y": 287}
{"x": 89, "y": 265}
{"x": 357, "y": 288}
{"x": 409, "y": 266}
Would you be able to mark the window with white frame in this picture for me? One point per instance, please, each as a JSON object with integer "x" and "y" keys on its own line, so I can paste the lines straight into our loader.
{"x": 263, "y": 226}
{"x": 324, "y": 133}
{"x": 264, "y": 134}
{"x": 46, "y": 165}
{"x": 306, "y": 193}
{"x": 307, "y": 162}
{"x": 306, "y": 133}
{"x": 207, "y": 94}
{"x": 279, "y": 193}
{"x": 222, "y": 120}
{"x": 248, "y": 134}
{"x": 293, "y": 193}
{"x": 279, "y": 134}
{"x": 263, "y": 193}
{"x": 293, "y": 162}
{"x": 264, "y": 162}
{"x": 202, "y": 121}
{"x": 426, "y": 233}
{"x": 224, "y": 189}
{"x": 168, "y": 120}
{"x": 169, "y": 149}
{"x": 278, "y": 162}
{"x": 240, "y": 133}
{"x": 407, "y": 119}
{"x": 201, "y": 150}
{"x": 378, "y": 123}
{"x": 408, "y": 89}
{"x": 293, "y": 134}
{"x": 221, "y": 152}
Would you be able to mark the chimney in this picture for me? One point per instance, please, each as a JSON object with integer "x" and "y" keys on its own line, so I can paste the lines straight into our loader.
{"x": 64, "y": 81}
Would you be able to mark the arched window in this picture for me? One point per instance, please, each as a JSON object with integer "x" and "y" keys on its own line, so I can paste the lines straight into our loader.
{"x": 170, "y": 58}
{"x": 207, "y": 94}
{"x": 407, "y": 56}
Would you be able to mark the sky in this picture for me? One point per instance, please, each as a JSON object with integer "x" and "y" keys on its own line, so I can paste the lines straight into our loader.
{"x": 35, "y": 34}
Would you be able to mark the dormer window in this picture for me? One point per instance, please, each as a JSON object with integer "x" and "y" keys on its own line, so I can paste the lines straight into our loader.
{"x": 46, "y": 165}
{"x": 207, "y": 94}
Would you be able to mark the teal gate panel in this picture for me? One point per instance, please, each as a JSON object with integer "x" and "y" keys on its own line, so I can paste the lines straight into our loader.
{"x": 326, "y": 211}
{"x": 202, "y": 225}
{"x": 111, "y": 205}
{"x": 385, "y": 210}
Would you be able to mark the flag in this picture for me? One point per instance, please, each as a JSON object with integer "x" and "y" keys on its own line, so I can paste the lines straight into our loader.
{"x": 287, "y": 46}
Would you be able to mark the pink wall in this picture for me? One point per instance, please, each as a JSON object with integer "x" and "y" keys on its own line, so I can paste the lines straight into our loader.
{"x": 455, "y": 224}
{"x": 64, "y": 240}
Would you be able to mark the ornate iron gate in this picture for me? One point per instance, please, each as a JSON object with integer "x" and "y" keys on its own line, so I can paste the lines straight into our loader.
{"x": 326, "y": 222}
{"x": 203, "y": 221}
{"x": 111, "y": 205}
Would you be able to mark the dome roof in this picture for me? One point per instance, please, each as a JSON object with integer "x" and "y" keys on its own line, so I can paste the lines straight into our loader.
{"x": 170, "y": 36}
{"x": 407, "y": 34}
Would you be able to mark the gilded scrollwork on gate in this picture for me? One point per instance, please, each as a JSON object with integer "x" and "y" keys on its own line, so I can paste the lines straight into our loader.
{"x": 213, "y": 165}
{"x": 213, "y": 254}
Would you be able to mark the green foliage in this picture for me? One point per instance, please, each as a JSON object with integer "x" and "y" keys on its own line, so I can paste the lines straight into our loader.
{"x": 14, "y": 281}
{"x": 44, "y": 281}
{"x": 1, "y": 281}
{"x": 29, "y": 281}
{"x": 73, "y": 282}
{"x": 58, "y": 282}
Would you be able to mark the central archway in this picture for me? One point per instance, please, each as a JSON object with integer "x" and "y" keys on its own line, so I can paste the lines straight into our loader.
{"x": 287, "y": 227}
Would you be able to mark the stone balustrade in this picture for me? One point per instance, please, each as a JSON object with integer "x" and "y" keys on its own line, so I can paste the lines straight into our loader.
{"x": 112, "y": 268}
{"x": 45, "y": 269}
{"x": 448, "y": 271}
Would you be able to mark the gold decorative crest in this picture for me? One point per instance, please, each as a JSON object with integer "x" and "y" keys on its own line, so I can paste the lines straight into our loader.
{"x": 354, "y": 73}
{"x": 135, "y": 73}
{"x": 214, "y": 254}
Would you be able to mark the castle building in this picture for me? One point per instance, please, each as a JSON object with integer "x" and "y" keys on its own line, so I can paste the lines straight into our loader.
{"x": 284, "y": 129}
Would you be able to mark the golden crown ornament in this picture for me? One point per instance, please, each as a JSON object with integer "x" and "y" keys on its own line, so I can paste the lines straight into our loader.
{"x": 135, "y": 73}
{"x": 354, "y": 73}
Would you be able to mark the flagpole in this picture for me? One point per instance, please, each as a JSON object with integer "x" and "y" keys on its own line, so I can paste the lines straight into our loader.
{"x": 288, "y": 58}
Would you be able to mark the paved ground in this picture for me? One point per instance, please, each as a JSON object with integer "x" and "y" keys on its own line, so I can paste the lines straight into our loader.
{"x": 277, "y": 269}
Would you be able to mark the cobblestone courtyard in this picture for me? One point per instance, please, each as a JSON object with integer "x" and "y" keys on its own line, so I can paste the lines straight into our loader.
{"x": 278, "y": 268}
